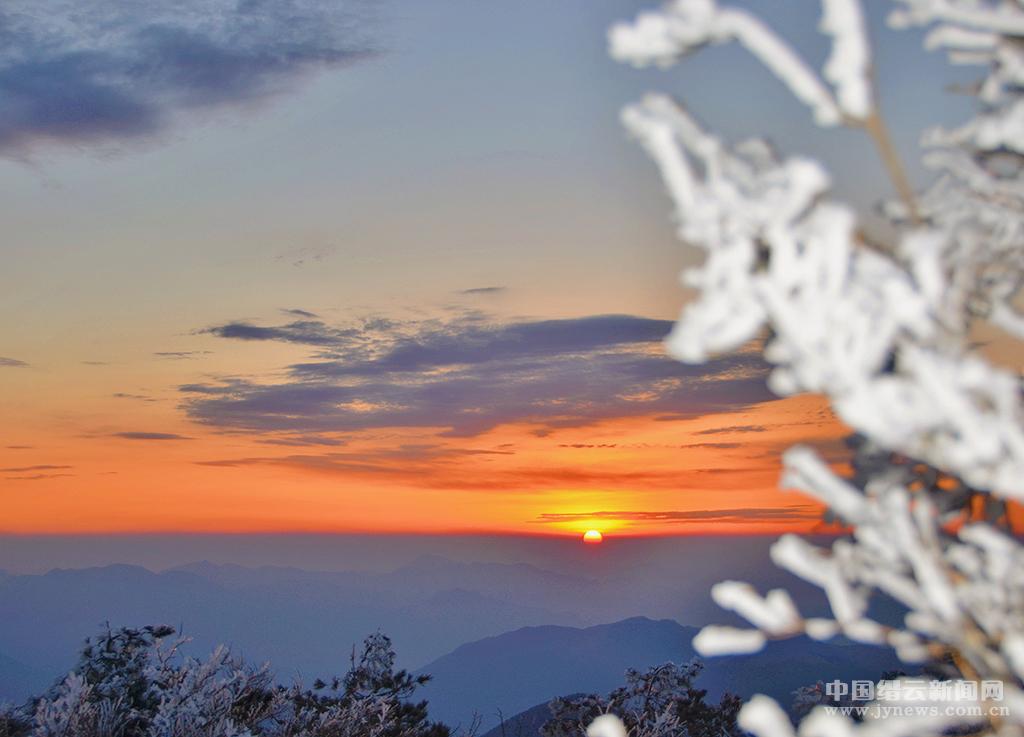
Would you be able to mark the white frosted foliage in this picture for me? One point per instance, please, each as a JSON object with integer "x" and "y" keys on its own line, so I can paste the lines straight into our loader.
{"x": 717, "y": 640}
{"x": 885, "y": 331}
{"x": 849, "y": 66}
{"x": 606, "y": 725}
{"x": 775, "y": 613}
{"x": 762, "y": 717}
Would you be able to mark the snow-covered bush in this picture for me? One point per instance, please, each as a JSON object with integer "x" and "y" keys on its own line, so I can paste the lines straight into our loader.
{"x": 135, "y": 683}
{"x": 884, "y": 331}
{"x": 660, "y": 702}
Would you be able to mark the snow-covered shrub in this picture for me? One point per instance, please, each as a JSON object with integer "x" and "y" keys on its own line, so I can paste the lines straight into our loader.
{"x": 134, "y": 683}
{"x": 884, "y": 331}
{"x": 661, "y": 702}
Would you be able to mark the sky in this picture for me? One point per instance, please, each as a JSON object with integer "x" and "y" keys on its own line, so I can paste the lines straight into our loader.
{"x": 372, "y": 267}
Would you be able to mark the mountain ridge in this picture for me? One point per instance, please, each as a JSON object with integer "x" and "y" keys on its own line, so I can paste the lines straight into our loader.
{"x": 521, "y": 669}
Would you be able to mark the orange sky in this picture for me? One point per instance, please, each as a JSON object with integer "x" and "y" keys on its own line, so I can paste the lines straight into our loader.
{"x": 715, "y": 473}
{"x": 115, "y": 446}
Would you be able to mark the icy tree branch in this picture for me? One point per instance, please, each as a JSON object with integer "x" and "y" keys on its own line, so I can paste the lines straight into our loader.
{"x": 887, "y": 337}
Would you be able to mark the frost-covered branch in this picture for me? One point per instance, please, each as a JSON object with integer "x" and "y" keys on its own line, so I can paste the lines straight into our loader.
{"x": 685, "y": 25}
{"x": 886, "y": 336}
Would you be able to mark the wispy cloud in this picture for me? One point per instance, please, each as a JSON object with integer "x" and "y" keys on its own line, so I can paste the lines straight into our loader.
{"x": 427, "y": 465}
{"x": 108, "y": 71}
{"x": 302, "y": 441}
{"x": 732, "y": 429}
{"x": 299, "y": 256}
{"x": 742, "y": 514}
{"x": 481, "y": 291}
{"x": 37, "y": 472}
{"x": 469, "y": 375}
{"x": 138, "y": 397}
{"x": 180, "y": 355}
{"x": 38, "y": 477}
{"x": 452, "y": 468}
{"x": 599, "y": 446}
{"x": 12, "y": 363}
{"x": 149, "y": 436}
{"x": 41, "y": 467}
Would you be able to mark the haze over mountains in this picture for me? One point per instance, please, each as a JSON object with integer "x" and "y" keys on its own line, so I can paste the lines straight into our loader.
{"x": 512, "y": 672}
{"x": 304, "y": 622}
{"x": 495, "y": 635}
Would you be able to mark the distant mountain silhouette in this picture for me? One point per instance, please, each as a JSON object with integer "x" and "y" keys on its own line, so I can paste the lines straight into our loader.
{"x": 304, "y": 622}
{"x": 520, "y": 670}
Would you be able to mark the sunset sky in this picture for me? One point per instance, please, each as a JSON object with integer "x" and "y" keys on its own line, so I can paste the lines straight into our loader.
{"x": 378, "y": 266}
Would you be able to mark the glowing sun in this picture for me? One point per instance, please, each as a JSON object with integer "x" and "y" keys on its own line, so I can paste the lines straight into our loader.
{"x": 592, "y": 537}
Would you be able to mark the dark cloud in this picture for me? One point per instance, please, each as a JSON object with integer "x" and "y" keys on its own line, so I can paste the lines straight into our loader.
{"x": 12, "y": 363}
{"x": 149, "y": 436}
{"x": 743, "y": 514}
{"x": 717, "y": 446}
{"x": 469, "y": 375}
{"x": 483, "y": 290}
{"x": 472, "y": 343}
{"x": 732, "y": 429}
{"x": 19, "y": 447}
{"x": 110, "y": 70}
{"x": 303, "y": 332}
{"x": 26, "y": 469}
{"x": 379, "y": 345}
{"x": 300, "y": 313}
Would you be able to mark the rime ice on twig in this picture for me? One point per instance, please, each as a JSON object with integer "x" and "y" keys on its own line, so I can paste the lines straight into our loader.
{"x": 885, "y": 336}
{"x": 849, "y": 66}
{"x": 685, "y": 25}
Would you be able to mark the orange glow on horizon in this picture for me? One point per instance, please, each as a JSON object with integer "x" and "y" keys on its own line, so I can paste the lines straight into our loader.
{"x": 638, "y": 476}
